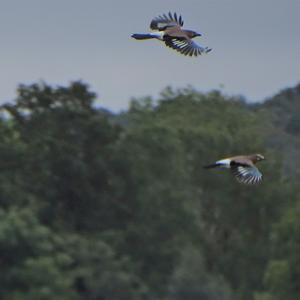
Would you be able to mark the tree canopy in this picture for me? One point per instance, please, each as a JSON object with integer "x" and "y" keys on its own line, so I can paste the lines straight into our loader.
{"x": 99, "y": 206}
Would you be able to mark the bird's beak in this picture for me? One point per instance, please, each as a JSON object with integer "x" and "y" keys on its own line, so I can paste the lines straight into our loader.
{"x": 198, "y": 34}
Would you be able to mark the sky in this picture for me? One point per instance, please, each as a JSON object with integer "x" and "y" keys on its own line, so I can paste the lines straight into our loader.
{"x": 256, "y": 47}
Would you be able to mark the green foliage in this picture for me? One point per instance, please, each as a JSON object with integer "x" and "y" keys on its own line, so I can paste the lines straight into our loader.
{"x": 32, "y": 265}
{"x": 283, "y": 112}
{"x": 37, "y": 263}
{"x": 98, "y": 206}
{"x": 282, "y": 274}
{"x": 293, "y": 126}
{"x": 192, "y": 281}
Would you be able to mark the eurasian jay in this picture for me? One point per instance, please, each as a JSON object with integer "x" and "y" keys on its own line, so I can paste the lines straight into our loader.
{"x": 242, "y": 167}
{"x": 169, "y": 30}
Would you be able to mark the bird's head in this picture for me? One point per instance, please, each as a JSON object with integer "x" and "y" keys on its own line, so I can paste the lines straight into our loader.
{"x": 259, "y": 157}
{"x": 191, "y": 34}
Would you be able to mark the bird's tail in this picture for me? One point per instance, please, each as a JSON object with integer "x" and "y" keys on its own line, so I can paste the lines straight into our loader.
{"x": 211, "y": 166}
{"x": 143, "y": 36}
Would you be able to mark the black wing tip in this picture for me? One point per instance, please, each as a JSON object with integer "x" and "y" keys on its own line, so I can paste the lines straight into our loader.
{"x": 166, "y": 17}
{"x": 176, "y": 17}
{"x": 153, "y": 24}
{"x": 251, "y": 182}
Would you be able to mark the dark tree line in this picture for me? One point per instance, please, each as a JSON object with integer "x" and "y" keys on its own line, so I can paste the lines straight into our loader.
{"x": 99, "y": 206}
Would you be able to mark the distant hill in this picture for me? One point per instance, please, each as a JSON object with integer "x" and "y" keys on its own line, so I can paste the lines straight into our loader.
{"x": 284, "y": 134}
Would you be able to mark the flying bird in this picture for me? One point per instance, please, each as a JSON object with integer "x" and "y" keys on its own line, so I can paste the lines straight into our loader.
{"x": 169, "y": 30}
{"x": 242, "y": 167}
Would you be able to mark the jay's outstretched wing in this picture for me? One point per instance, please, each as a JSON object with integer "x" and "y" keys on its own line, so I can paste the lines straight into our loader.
{"x": 246, "y": 174}
{"x": 164, "y": 21}
{"x": 186, "y": 46}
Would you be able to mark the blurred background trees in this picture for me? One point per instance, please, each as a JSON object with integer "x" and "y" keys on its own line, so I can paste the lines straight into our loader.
{"x": 98, "y": 206}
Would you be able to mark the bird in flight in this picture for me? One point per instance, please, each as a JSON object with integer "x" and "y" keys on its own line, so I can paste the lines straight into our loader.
{"x": 169, "y": 30}
{"x": 242, "y": 167}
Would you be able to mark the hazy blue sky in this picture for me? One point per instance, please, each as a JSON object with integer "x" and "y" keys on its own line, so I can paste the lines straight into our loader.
{"x": 256, "y": 46}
